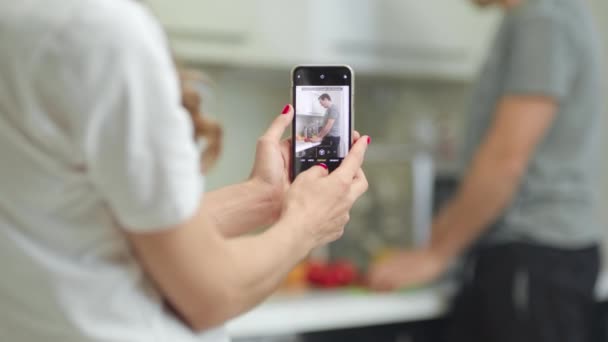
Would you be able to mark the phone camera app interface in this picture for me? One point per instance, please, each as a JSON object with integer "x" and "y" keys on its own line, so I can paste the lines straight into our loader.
{"x": 322, "y": 127}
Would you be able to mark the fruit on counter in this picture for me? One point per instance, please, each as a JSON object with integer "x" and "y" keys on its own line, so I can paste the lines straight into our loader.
{"x": 317, "y": 272}
{"x": 300, "y": 138}
{"x": 337, "y": 274}
{"x": 384, "y": 255}
{"x": 297, "y": 278}
{"x": 345, "y": 272}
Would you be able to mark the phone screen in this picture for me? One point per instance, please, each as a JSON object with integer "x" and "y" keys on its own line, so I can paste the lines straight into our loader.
{"x": 322, "y": 125}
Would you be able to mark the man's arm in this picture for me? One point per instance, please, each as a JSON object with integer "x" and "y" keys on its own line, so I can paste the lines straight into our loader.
{"x": 521, "y": 122}
{"x": 496, "y": 171}
{"x": 325, "y": 130}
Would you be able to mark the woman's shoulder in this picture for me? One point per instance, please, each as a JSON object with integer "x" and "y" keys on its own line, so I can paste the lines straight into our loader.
{"x": 116, "y": 24}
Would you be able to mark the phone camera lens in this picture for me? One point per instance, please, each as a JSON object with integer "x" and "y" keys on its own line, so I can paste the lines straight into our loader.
{"x": 322, "y": 77}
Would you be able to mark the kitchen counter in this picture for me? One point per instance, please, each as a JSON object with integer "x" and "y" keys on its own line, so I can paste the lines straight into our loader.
{"x": 303, "y": 146}
{"x": 330, "y": 310}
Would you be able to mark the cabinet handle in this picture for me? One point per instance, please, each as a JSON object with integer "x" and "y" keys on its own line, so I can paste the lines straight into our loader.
{"x": 222, "y": 38}
{"x": 391, "y": 51}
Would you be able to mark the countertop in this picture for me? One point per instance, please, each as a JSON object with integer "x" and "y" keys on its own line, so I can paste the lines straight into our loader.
{"x": 330, "y": 310}
{"x": 302, "y": 146}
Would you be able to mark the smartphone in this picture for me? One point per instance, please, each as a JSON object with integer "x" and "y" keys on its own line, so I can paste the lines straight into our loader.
{"x": 323, "y": 124}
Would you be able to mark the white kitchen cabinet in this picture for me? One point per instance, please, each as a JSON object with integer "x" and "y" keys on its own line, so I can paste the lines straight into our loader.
{"x": 439, "y": 38}
{"x": 403, "y": 38}
{"x": 308, "y": 103}
{"x": 207, "y": 30}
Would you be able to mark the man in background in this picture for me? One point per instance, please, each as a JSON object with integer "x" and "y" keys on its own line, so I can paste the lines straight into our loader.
{"x": 527, "y": 204}
{"x": 330, "y": 133}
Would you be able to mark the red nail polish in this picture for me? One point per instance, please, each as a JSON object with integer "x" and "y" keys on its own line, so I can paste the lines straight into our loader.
{"x": 323, "y": 165}
{"x": 369, "y": 140}
{"x": 286, "y": 109}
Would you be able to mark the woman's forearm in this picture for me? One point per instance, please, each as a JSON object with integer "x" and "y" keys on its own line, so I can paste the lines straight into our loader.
{"x": 262, "y": 261}
{"x": 209, "y": 279}
{"x": 241, "y": 208}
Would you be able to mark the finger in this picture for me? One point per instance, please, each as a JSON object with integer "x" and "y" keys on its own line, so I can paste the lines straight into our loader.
{"x": 286, "y": 146}
{"x": 286, "y": 151}
{"x": 353, "y": 161}
{"x": 343, "y": 220}
{"x": 360, "y": 185}
{"x": 337, "y": 235}
{"x": 356, "y": 136}
{"x": 280, "y": 124}
{"x": 317, "y": 171}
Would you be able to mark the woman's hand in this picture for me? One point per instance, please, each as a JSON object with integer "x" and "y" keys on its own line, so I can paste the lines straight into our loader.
{"x": 405, "y": 269}
{"x": 273, "y": 157}
{"x": 317, "y": 205}
{"x": 271, "y": 170}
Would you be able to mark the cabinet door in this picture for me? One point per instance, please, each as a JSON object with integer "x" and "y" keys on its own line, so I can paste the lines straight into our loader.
{"x": 280, "y": 35}
{"x": 402, "y": 36}
{"x": 206, "y": 29}
{"x": 224, "y": 18}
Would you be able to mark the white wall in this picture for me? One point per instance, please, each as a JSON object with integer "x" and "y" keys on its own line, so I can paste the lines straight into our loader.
{"x": 245, "y": 102}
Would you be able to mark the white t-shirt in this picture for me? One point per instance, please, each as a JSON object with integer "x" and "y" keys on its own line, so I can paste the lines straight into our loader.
{"x": 93, "y": 142}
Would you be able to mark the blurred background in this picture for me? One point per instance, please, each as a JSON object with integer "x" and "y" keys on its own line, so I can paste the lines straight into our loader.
{"x": 415, "y": 61}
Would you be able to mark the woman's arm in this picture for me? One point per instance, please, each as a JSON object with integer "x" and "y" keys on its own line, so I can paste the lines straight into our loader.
{"x": 238, "y": 209}
{"x": 209, "y": 279}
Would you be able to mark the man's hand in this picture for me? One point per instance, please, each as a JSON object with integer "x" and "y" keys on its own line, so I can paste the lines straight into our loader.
{"x": 316, "y": 140}
{"x": 406, "y": 269}
{"x": 322, "y": 201}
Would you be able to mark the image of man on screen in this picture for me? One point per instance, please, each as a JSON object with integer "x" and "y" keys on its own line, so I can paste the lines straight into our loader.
{"x": 330, "y": 133}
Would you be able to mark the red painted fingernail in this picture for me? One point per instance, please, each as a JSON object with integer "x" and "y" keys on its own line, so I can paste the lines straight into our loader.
{"x": 286, "y": 109}
{"x": 369, "y": 140}
{"x": 323, "y": 165}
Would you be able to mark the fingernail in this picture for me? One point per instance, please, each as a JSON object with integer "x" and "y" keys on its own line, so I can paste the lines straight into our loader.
{"x": 323, "y": 165}
{"x": 286, "y": 109}
{"x": 369, "y": 140}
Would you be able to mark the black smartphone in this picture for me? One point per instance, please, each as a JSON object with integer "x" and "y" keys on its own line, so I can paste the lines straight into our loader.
{"x": 323, "y": 97}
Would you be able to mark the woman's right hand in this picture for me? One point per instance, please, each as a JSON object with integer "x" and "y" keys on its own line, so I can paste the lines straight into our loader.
{"x": 319, "y": 204}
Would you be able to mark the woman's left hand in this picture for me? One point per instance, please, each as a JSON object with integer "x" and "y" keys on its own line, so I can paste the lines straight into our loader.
{"x": 406, "y": 269}
{"x": 272, "y": 164}
{"x": 273, "y": 157}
